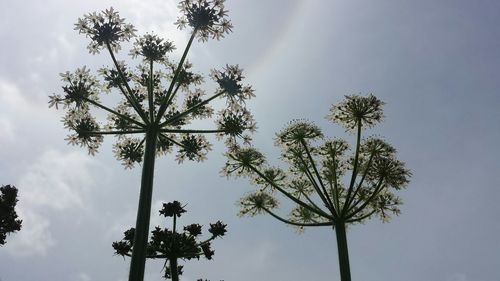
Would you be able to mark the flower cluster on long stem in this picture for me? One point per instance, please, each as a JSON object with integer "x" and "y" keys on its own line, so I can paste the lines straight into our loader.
{"x": 159, "y": 99}
{"x": 317, "y": 180}
{"x": 314, "y": 180}
{"x": 173, "y": 245}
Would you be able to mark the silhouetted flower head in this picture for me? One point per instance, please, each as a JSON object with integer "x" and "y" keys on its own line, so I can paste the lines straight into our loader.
{"x": 299, "y": 214}
{"x": 112, "y": 77}
{"x": 386, "y": 204}
{"x": 334, "y": 147}
{"x": 152, "y": 48}
{"x": 234, "y": 123}
{"x": 255, "y": 203}
{"x": 172, "y": 208}
{"x": 208, "y": 18}
{"x": 391, "y": 171}
{"x": 275, "y": 175}
{"x": 357, "y": 110}
{"x": 193, "y": 148}
{"x": 122, "y": 248}
{"x": 186, "y": 77}
{"x": 300, "y": 187}
{"x": 81, "y": 86}
{"x": 229, "y": 80}
{"x": 129, "y": 235}
{"x": 241, "y": 161}
{"x": 377, "y": 146}
{"x": 82, "y": 123}
{"x": 194, "y": 98}
{"x": 129, "y": 151}
{"x": 298, "y": 131}
{"x": 217, "y": 229}
{"x": 193, "y": 229}
{"x": 104, "y": 28}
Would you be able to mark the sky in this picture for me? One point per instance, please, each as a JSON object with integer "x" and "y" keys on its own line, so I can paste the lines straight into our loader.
{"x": 434, "y": 63}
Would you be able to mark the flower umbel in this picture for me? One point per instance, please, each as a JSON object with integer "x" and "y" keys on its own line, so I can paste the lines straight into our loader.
{"x": 103, "y": 29}
{"x": 152, "y": 48}
{"x": 207, "y": 18}
{"x": 229, "y": 81}
{"x": 256, "y": 203}
{"x": 357, "y": 110}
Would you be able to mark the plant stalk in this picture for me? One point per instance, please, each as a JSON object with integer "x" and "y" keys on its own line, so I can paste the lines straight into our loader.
{"x": 173, "y": 269}
{"x": 345, "y": 271}
{"x": 138, "y": 262}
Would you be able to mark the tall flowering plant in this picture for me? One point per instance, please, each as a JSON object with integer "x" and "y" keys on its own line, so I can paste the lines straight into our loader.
{"x": 159, "y": 98}
{"x": 173, "y": 245}
{"x": 328, "y": 185}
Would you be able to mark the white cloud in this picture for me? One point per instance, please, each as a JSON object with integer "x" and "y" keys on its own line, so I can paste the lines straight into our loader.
{"x": 34, "y": 237}
{"x": 55, "y": 182}
{"x": 13, "y": 103}
{"x": 10, "y": 96}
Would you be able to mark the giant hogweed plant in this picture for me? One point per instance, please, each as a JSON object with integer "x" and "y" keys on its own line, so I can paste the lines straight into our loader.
{"x": 329, "y": 184}
{"x": 173, "y": 245}
{"x": 151, "y": 119}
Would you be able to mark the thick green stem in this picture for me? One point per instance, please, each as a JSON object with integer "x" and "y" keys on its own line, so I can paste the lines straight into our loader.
{"x": 345, "y": 271}
{"x": 138, "y": 261}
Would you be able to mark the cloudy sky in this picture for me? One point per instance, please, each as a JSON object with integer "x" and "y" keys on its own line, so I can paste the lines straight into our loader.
{"x": 436, "y": 64}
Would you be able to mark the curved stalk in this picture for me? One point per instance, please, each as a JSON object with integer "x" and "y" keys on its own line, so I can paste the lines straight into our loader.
{"x": 169, "y": 95}
{"x": 329, "y": 201}
{"x": 180, "y": 115}
{"x": 114, "y": 112}
{"x": 354, "y": 170}
{"x": 316, "y": 186}
{"x": 129, "y": 96}
{"x": 349, "y": 202}
{"x": 295, "y": 223}
{"x": 378, "y": 188}
{"x": 311, "y": 201}
{"x": 291, "y": 197}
